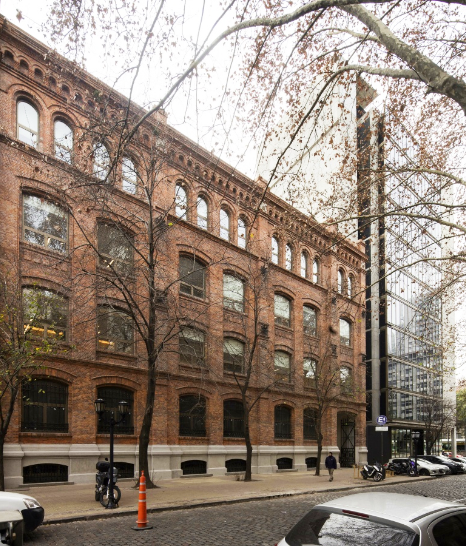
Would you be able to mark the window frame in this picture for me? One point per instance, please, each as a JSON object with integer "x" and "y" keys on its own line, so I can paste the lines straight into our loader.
{"x": 101, "y": 171}
{"x": 106, "y": 260}
{"x": 350, "y": 286}
{"x": 69, "y": 150}
{"x": 187, "y": 289}
{"x": 48, "y": 237}
{"x": 341, "y": 282}
{"x": 308, "y": 367}
{"x": 283, "y": 428}
{"x": 108, "y": 340}
{"x": 34, "y": 133}
{"x": 307, "y": 328}
{"x": 304, "y": 264}
{"x": 277, "y": 370}
{"x": 111, "y": 405}
{"x": 43, "y": 324}
{"x": 225, "y": 230}
{"x": 279, "y": 320}
{"x": 194, "y": 360}
{"x": 193, "y": 430}
{"x": 233, "y": 363}
{"x": 126, "y": 180}
{"x": 28, "y": 425}
{"x": 350, "y": 327}
{"x": 346, "y": 380}
{"x": 242, "y": 227}
{"x": 310, "y": 424}
{"x": 288, "y": 257}
{"x": 180, "y": 203}
{"x": 315, "y": 271}
{"x": 202, "y": 222}
{"x": 275, "y": 250}
{"x": 233, "y": 424}
{"x": 230, "y": 303}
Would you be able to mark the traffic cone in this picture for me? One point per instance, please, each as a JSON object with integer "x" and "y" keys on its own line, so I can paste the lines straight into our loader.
{"x": 142, "y": 506}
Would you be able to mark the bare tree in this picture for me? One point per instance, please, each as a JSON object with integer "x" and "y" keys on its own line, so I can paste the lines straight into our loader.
{"x": 438, "y": 419}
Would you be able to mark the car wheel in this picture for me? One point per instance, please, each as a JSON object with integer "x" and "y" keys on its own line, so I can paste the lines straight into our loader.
{"x": 424, "y": 472}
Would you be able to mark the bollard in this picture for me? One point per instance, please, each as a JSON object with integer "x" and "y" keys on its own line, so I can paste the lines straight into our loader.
{"x": 142, "y": 506}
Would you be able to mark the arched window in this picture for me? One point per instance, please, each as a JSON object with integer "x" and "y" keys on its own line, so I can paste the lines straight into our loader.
{"x": 346, "y": 380}
{"x": 282, "y": 310}
{"x": 224, "y": 224}
{"x": 181, "y": 201}
{"x": 309, "y": 320}
{"x": 310, "y": 371}
{"x": 233, "y": 355}
{"x": 27, "y": 123}
{"x": 309, "y": 424}
{"x": 113, "y": 396}
{"x": 192, "y": 276}
{"x": 192, "y": 415}
{"x": 282, "y": 366}
{"x": 315, "y": 271}
{"x": 44, "y": 406}
{"x": 242, "y": 232}
{"x": 349, "y": 286}
{"x": 129, "y": 176}
{"x": 283, "y": 422}
{"x": 304, "y": 265}
{"x": 233, "y": 292}
{"x": 44, "y": 223}
{"x": 341, "y": 281}
{"x": 192, "y": 347}
{"x": 45, "y": 314}
{"x": 233, "y": 419}
{"x": 345, "y": 332}
{"x": 115, "y": 246}
{"x": 115, "y": 330}
{"x": 288, "y": 257}
{"x": 101, "y": 166}
{"x": 23, "y": 66}
{"x": 8, "y": 58}
{"x": 274, "y": 250}
{"x": 202, "y": 213}
{"x": 63, "y": 136}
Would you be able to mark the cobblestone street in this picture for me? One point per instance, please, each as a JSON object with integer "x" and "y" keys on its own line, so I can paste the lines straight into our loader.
{"x": 259, "y": 523}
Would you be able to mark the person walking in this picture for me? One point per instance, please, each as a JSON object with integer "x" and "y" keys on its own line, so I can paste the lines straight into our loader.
{"x": 330, "y": 465}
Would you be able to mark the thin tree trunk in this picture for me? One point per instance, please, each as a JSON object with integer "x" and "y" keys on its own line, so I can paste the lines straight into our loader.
{"x": 144, "y": 435}
{"x": 319, "y": 453}
{"x": 247, "y": 438}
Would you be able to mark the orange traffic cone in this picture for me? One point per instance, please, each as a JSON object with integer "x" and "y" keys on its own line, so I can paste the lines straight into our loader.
{"x": 142, "y": 506}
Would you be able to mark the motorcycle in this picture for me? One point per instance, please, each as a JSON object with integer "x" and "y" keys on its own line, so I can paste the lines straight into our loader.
{"x": 101, "y": 483}
{"x": 375, "y": 471}
{"x": 397, "y": 467}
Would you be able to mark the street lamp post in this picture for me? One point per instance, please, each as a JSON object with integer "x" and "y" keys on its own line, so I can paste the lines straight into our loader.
{"x": 415, "y": 435}
{"x": 123, "y": 408}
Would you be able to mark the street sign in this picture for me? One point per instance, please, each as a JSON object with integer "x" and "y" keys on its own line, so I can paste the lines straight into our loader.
{"x": 381, "y": 429}
{"x": 382, "y": 420}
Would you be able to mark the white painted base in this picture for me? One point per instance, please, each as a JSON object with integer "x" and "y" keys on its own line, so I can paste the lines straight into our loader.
{"x": 164, "y": 460}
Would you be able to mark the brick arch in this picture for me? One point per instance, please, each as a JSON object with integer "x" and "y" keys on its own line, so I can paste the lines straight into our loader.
{"x": 181, "y": 391}
{"x": 190, "y": 251}
{"x": 45, "y": 283}
{"x": 57, "y": 373}
{"x": 113, "y": 380}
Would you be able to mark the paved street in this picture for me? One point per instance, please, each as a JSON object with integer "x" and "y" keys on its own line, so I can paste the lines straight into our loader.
{"x": 258, "y": 523}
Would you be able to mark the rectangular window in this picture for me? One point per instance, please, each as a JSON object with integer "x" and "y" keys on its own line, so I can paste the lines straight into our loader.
{"x": 233, "y": 293}
{"x": 345, "y": 332}
{"x": 192, "y": 277}
{"x": 45, "y": 314}
{"x": 233, "y": 355}
{"x": 115, "y": 331}
{"x": 115, "y": 248}
{"x": 192, "y": 347}
{"x": 45, "y": 406}
{"x": 309, "y": 321}
{"x": 310, "y": 370}
{"x": 282, "y": 366}
{"x": 44, "y": 223}
{"x": 282, "y": 309}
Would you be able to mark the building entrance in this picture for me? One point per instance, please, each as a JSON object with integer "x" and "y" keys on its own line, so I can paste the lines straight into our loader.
{"x": 347, "y": 455}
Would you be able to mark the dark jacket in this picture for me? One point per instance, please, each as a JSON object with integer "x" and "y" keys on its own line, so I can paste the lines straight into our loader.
{"x": 330, "y": 462}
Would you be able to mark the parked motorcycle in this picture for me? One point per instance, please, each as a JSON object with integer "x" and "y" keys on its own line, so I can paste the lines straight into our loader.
{"x": 397, "y": 468}
{"x": 375, "y": 471}
{"x": 101, "y": 483}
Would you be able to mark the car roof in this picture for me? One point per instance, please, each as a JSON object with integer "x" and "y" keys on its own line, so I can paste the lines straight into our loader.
{"x": 393, "y": 505}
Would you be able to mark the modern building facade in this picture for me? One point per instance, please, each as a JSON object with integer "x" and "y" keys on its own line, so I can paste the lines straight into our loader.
{"x": 69, "y": 198}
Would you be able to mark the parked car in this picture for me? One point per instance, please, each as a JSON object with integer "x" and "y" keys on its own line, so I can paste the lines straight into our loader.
{"x": 426, "y": 468}
{"x": 460, "y": 460}
{"x": 11, "y": 527}
{"x": 380, "y": 519}
{"x": 456, "y": 468}
{"x": 32, "y": 511}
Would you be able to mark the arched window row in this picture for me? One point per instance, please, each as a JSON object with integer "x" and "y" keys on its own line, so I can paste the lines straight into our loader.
{"x": 28, "y": 131}
{"x": 304, "y": 265}
{"x": 345, "y": 283}
{"x": 44, "y": 407}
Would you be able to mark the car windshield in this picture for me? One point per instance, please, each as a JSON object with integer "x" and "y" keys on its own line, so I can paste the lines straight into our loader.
{"x": 328, "y": 529}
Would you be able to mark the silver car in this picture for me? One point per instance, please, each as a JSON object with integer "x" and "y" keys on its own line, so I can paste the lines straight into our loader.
{"x": 381, "y": 519}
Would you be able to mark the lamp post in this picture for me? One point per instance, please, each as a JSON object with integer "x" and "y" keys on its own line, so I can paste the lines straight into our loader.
{"x": 415, "y": 435}
{"x": 123, "y": 408}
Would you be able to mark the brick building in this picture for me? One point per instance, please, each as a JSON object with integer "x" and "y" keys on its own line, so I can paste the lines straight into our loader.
{"x": 58, "y": 143}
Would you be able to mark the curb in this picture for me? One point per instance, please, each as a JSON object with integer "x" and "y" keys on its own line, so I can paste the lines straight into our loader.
{"x": 208, "y": 504}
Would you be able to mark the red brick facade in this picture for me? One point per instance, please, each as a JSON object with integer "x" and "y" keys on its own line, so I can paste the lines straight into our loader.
{"x": 58, "y": 91}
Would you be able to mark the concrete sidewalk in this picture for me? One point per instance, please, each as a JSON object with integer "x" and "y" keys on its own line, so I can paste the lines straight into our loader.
{"x": 64, "y": 503}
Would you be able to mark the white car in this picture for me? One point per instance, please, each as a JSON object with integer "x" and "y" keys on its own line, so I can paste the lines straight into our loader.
{"x": 426, "y": 468}
{"x": 31, "y": 510}
{"x": 381, "y": 519}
